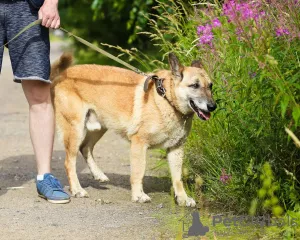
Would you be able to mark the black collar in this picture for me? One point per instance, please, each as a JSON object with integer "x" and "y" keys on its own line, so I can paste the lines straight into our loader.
{"x": 162, "y": 91}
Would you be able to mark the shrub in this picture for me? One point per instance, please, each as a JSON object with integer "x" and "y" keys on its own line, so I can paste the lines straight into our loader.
{"x": 251, "y": 50}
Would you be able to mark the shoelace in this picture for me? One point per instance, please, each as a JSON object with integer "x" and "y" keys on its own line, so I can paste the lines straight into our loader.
{"x": 53, "y": 182}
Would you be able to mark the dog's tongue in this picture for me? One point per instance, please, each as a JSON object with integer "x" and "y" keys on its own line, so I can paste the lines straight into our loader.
{"x": 205, "y": 115}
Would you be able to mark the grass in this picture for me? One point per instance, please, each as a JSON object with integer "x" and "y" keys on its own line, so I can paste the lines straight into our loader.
{"x": 177, "y": 223}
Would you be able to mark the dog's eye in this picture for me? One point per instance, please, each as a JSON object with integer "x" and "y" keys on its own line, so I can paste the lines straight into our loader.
{"x": 195, "y": 85}
{"x": 210, "y": 86}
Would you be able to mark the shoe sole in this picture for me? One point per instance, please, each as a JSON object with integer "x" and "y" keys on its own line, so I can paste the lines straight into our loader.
{"x": 56, "y": 201}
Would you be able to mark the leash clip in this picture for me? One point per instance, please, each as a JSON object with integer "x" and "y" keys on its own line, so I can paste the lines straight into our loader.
{"x": 158, "y": 84}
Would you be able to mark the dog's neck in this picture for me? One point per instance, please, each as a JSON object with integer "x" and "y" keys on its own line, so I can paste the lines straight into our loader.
{"x": 170, "y": 95}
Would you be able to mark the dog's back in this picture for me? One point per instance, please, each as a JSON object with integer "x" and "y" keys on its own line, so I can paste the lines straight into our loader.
{"x": 107, "y": 91}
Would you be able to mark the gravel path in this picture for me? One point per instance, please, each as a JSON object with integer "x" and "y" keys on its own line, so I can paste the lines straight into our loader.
{"x": 25, "y": 216}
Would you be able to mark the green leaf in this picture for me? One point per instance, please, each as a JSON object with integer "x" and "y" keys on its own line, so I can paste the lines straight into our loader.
{"x": 284, "y": 103}
{"x": 296, "y": 114}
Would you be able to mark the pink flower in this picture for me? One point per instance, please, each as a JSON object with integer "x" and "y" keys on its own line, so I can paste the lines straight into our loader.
{"x": 244, "y": 11}
{"x": 247, "y": 12}
{"x": 282, "y": 31}
{"x": 200, "y": 29}
{"x": 229, "y": 9}
{"x": 206, "y": 29}
{"x": 205, "y": 34}
{"x": 206, "y": 39}
{"x": 225, "y": 178}
{"x": 216, "y": 22}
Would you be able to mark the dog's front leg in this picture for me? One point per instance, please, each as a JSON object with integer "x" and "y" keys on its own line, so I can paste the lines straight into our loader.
{"x": 175, "y": 159}
{"x": 138, "y": 165}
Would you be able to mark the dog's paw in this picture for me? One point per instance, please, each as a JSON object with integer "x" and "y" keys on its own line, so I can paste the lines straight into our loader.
{"x": 190, "y": 202}
{"x": 185, "y": 201}
{"x": 142, "y": 198}
{"x": 101, "y": 177}
{"x": 80, "y": 194}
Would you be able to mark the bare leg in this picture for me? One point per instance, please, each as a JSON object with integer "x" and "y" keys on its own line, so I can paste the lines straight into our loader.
{"x": 175, "y": 158}
{"x": 41, "y": 122}
{"x": 138, "y": 166}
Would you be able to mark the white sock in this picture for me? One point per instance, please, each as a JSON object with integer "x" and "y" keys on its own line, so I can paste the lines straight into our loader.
{"x": 40, "y": 177}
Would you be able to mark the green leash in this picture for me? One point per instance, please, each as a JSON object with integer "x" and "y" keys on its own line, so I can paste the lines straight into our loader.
{"x": 92, "y": 46}
{"x": 99, "y": 50}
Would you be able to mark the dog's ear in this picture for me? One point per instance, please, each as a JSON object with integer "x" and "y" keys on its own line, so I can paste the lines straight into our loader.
{"x": 197, "y": 64}
{"x": 176, "y": 67}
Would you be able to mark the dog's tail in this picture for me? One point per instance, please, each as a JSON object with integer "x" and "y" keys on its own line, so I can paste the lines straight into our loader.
{"x": 60, "y": 65}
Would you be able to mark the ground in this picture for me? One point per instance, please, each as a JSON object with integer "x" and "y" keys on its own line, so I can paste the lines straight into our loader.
{"x": 107, "y": 214}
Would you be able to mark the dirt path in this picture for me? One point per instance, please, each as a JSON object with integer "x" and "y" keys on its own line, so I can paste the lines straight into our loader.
{"x": 25, "y": 216}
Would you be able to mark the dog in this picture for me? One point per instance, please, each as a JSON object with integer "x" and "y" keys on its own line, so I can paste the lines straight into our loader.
{"x": 90, "y": 99}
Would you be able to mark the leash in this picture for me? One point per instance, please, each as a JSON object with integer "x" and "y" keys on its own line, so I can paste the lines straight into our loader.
{"x": 158, "y": 81}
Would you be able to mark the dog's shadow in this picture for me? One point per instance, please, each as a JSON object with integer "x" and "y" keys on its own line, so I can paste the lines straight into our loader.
{"x": 16, "y": 171}
{"x": 150, "y": 184}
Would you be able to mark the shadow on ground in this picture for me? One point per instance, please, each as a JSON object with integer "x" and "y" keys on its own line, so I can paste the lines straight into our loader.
{"x": 16, "y": 171}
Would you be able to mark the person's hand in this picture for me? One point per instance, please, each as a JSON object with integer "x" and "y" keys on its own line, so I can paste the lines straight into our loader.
{"x": 49, "y": 14}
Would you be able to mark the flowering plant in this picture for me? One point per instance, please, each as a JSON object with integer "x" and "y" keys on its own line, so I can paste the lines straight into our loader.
{"x": 251, "y": 50}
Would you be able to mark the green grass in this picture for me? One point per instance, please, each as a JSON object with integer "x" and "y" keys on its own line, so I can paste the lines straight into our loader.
{"x": 172, "y": 227}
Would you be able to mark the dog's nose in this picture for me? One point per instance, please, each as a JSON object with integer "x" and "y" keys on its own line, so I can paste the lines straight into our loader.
{"x": 211, "y": 106}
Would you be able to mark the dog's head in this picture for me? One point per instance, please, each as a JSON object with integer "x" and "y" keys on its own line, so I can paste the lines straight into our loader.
{"x": 192, "y": 88}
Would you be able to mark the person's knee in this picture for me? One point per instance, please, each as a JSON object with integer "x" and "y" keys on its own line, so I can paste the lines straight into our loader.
{"x": 37, "y": 93}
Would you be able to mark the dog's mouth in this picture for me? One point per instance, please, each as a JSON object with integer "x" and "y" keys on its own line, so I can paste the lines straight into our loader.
{"x": 204, "y": 115}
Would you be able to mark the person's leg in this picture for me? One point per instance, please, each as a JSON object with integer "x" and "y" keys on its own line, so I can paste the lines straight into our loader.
{"x": 41, "y": 125}
{"x": 30, "y": 58}
{"x": 41, "y": 122}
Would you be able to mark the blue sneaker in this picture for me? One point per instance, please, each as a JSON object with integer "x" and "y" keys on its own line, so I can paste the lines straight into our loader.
{"x": 51, "y": 189}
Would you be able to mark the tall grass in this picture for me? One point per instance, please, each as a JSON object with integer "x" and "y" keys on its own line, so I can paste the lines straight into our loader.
{"x": 254, "y": 59}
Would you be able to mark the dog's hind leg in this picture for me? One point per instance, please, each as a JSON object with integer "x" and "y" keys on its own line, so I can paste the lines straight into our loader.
{"x": 138, "y": 152}
{"x": 86, "y": 149}
{"x": 73, "y": 130}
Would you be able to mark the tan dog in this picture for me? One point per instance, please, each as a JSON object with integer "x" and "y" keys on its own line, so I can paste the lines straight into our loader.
{"x": 90, "y": 99}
